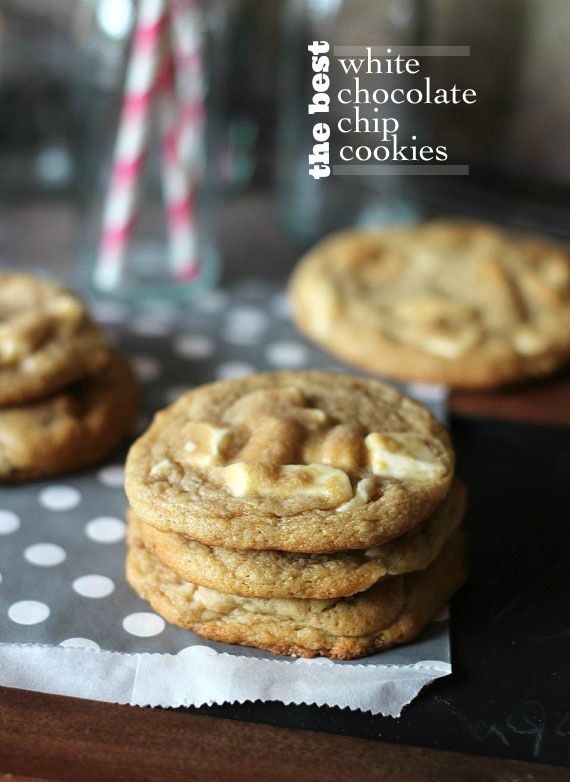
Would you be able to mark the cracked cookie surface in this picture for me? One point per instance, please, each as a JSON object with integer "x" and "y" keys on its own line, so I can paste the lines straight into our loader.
{"x": 69, "y": 430}
{"x": 460, "y": 303}
{"x": 295, "y": 461}
{"x": 392, "y": 612}
{"x": 47, "y": 340}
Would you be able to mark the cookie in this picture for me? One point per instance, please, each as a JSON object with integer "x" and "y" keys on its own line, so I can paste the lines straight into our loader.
{"x": 322, "y": 576}
{"x": 294, "y": 461}
{"x": 392, "y": 612}
{"x": 70, "y": 430}
{"x": 47, "y": 340}
{"x": 464, "y": 304}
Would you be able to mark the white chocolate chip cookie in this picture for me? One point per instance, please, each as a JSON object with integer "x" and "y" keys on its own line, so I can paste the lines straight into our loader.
{"x": 77, "y": 427}
{"x": 47, "y": 340}
{"x": 295, "y": 461}
{"x": 465, "y": 304}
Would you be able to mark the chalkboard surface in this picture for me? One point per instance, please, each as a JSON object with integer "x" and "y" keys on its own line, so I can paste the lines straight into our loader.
{"x": 509, "y": 694}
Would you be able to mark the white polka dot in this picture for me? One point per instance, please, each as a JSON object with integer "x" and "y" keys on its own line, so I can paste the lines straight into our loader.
{"x": 281, "y": 306}
{"x": 110, "y": 311}
{"x": 144, "y": 624}
{"x": 79, "y": 643}
{"x": 443, "y": 615}
{"x": 113, "y": 476}
{"x": 231, "y": 369}
{"x": 289, "y": 355}
{"x": 45, "y": 554}
{"x": 174, "y": 393}
{"x": 146, "y": 368}
{"x": 9, "y": 522}
{"x": 244, "y": 326}
{"x": 93, "y": 586}
{"x": 250, "y": 318}
{"x": 60, "y": 498}
{"x": 212, "y": 302}
{"x": 193, "y": 346}
{"x": 145, "y": 327}
{"x": 28, "y": 612}
{"x": 106, "y": 529}
{"x": 427, "y": 392}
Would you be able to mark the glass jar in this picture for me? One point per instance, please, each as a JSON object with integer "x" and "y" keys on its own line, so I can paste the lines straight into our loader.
{"x": 173, "y": 208}
{"x": 310, "y": 208}
{"x": 36, "y": 127}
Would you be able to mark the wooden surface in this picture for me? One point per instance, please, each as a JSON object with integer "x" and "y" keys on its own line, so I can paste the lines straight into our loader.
{"x": 543, "y": 402}
{"x": 55, "y": 738}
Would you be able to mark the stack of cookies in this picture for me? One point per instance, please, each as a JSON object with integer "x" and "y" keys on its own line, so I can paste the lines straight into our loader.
{"x": 461, "y": 303}
{"x": 306, "y": 513}
{"x": 67, "y": 398}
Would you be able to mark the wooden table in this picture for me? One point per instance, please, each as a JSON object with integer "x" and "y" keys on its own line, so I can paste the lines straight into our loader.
{"x": 544, "y": 402}
{"x": 49, "y": 737}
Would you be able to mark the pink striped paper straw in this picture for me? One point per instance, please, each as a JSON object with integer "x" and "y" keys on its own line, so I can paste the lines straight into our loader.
{"x": 179, "y": 197}
{"x": 187, "y": 38}
{"x": 181, "y": 116}
{"x": 120, "y": 209}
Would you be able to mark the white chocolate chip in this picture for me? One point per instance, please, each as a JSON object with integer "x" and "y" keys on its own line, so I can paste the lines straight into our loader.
{"x": 438, "y": 325}
{"x": 162, "y": 469}
{"x": 556, "y": 271}
{"x": 452, "y": 344}
{"x": 237, "y": 478}
{"x": 402, "y": 455}
{"x": 528, "y": 341}
{"x": 361, "y": 496}
{"x": 323, "y": 486}
{"x": 205, "y": 444}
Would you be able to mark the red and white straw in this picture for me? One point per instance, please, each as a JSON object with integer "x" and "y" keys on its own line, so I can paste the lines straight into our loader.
{"x": 187, "y": 40}
{"x": 130, "y": 148}
{"x": 179, "y": 196}
{"x": 182, "y": 103}
{"x": 176, "y": 78}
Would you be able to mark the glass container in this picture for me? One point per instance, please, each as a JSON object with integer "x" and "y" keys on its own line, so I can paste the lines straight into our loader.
{"x": 103, "y": 36}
